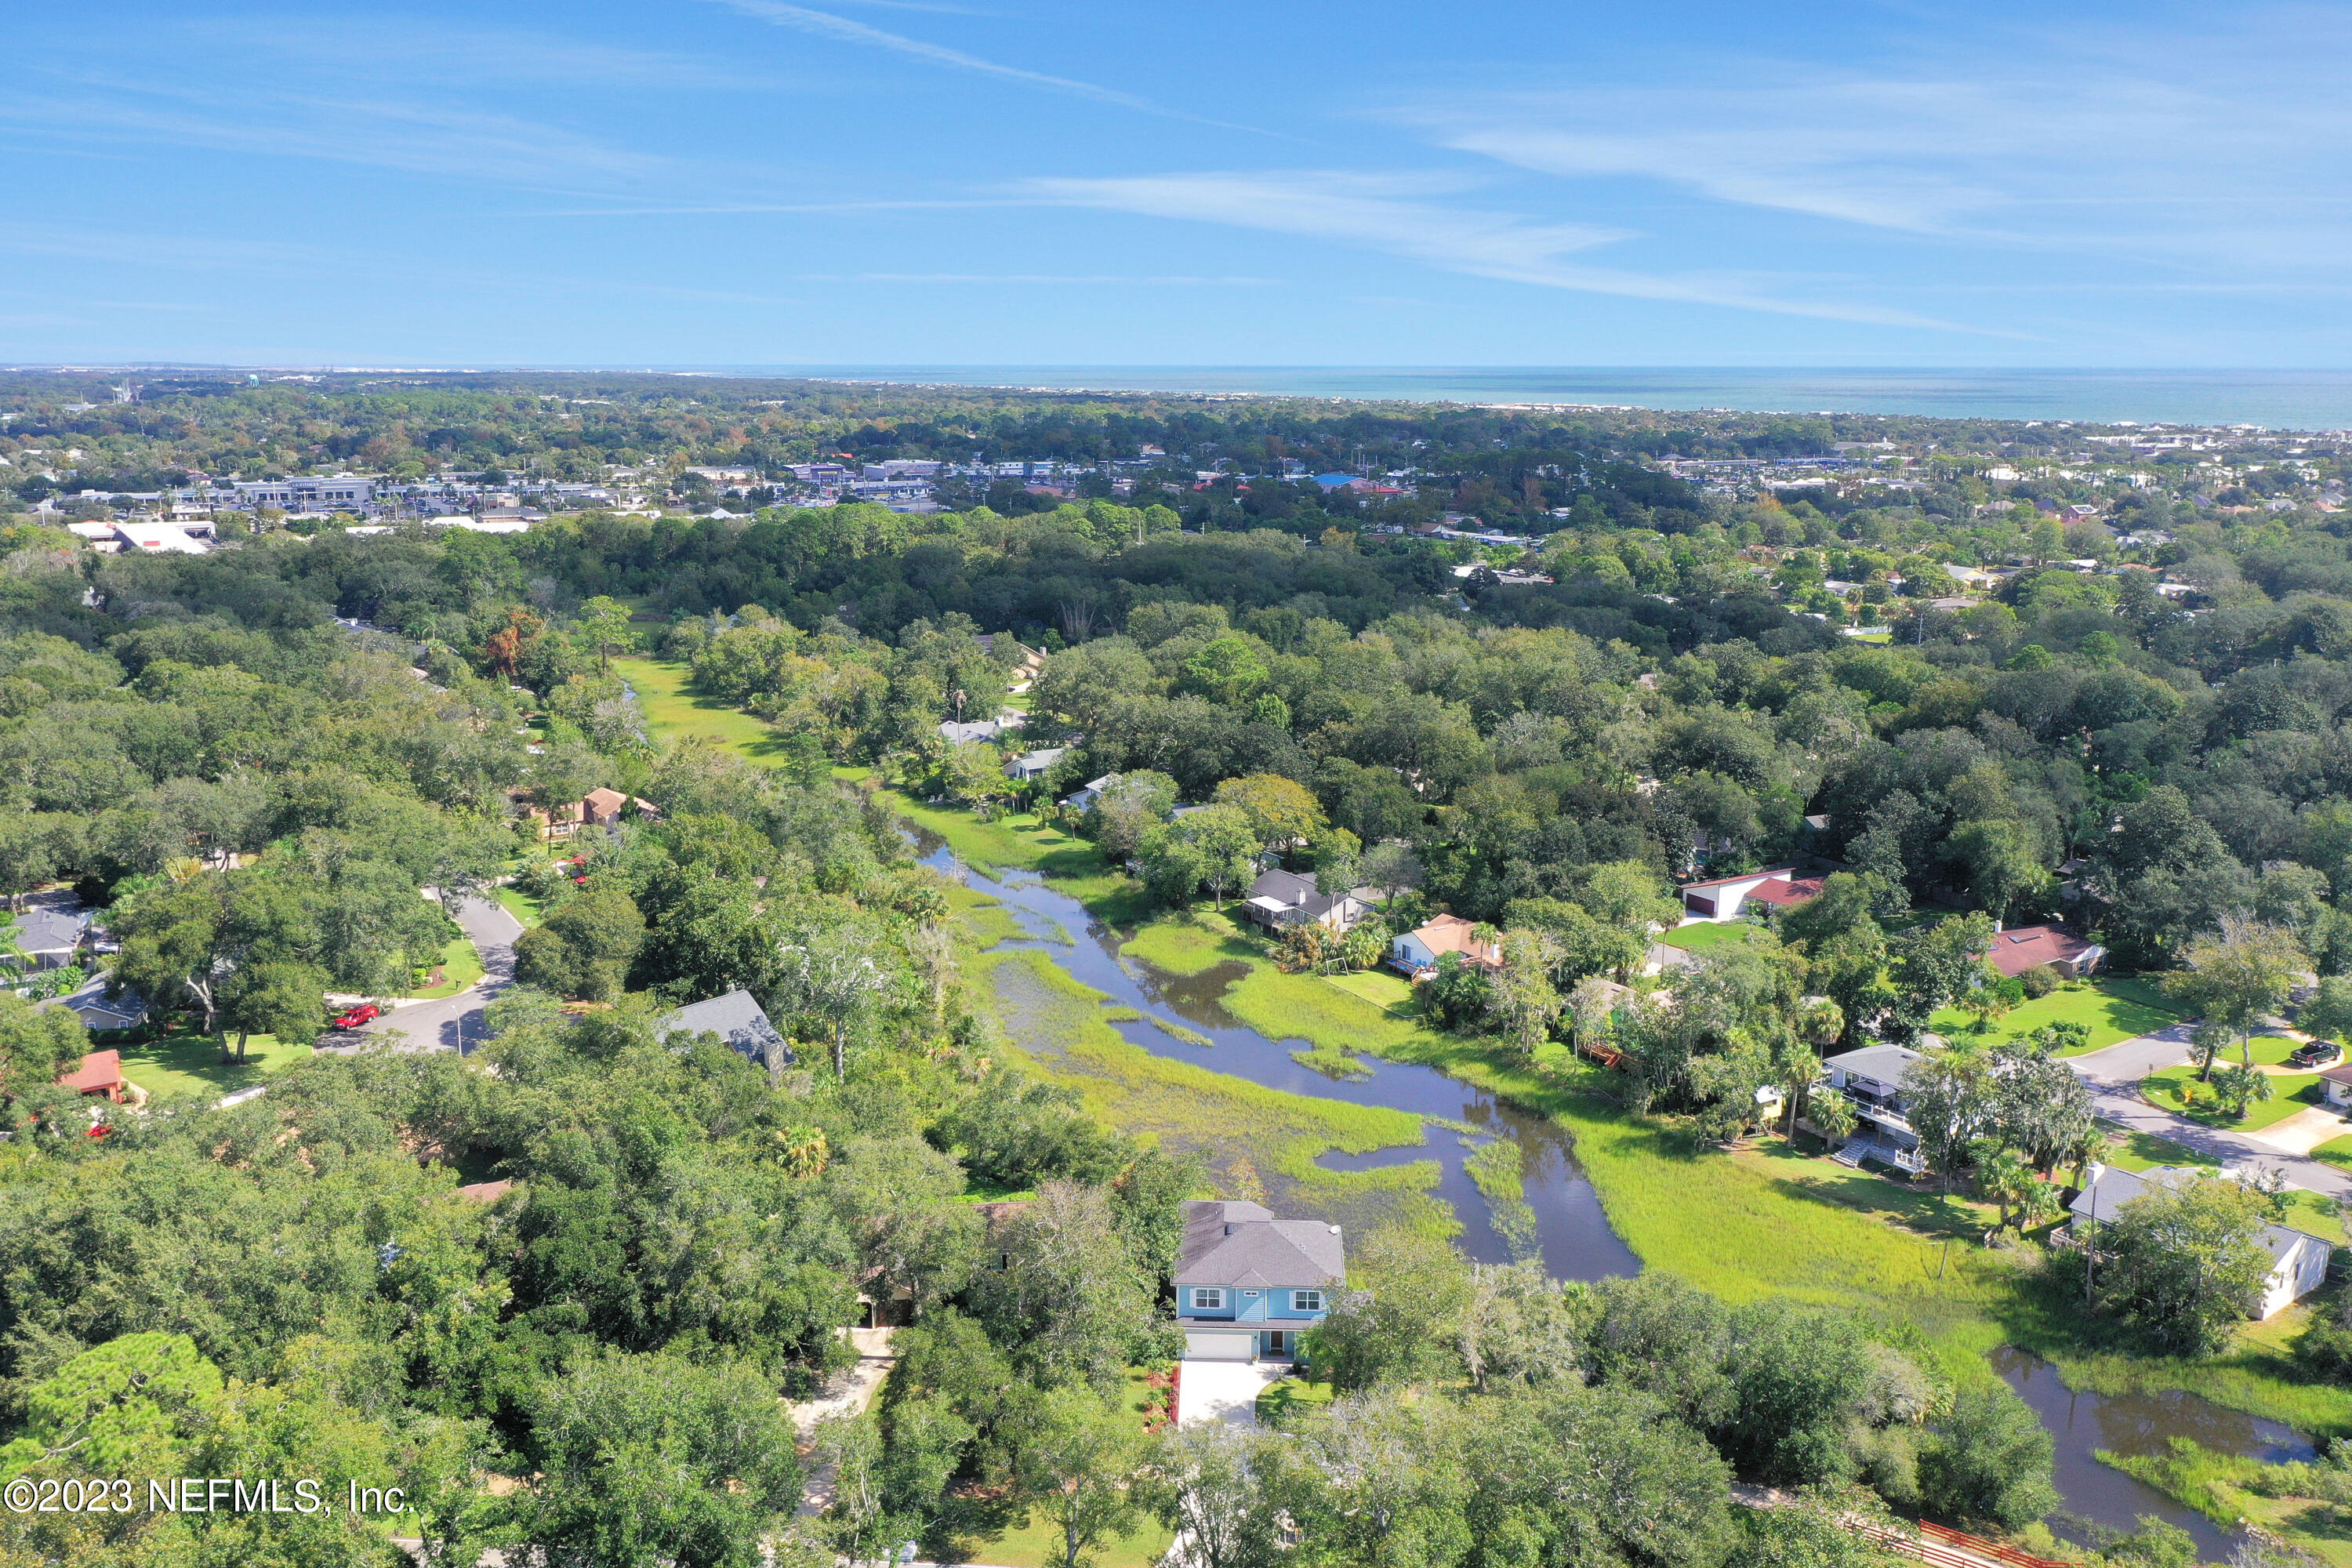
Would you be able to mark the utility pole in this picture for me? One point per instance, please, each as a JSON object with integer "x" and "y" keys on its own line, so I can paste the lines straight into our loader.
{"x": 2090, "y": 1252}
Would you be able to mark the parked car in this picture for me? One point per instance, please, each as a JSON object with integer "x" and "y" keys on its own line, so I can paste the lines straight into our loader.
{"x": 2318, "y": 1054}
{"x": 365, "y": 1013}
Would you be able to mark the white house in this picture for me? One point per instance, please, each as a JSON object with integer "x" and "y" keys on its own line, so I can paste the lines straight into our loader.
{"x": 1727, "y": 898}
{"x": 1416, "y": 953}
{"x": 2298, "y": 1262}
{"x": 1084, "y": 795}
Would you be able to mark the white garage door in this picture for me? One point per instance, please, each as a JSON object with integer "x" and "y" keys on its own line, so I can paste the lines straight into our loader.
{"x": 1220, "y": 1344}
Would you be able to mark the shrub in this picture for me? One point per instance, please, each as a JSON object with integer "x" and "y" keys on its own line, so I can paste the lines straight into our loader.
{"x": 2039, "y": 981}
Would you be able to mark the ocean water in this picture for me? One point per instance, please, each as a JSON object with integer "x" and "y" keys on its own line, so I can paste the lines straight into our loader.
{"x": 2280, "y": 399}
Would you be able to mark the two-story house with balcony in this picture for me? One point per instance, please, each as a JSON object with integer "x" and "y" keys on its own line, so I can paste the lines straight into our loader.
{"x": 1871, "y": 1079}
{"x": 1247, "y": 1284}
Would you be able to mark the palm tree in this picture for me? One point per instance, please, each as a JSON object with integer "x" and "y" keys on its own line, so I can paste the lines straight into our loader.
{"x": 1832, "y": 1116}
{"x": 2006, "y": 1177}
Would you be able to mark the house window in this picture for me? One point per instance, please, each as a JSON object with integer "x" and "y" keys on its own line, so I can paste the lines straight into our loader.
{"x": 1208, "y": 1300}
{"x": 1306, "y": 1300}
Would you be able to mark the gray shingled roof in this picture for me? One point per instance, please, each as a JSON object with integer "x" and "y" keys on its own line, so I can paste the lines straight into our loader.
{"x": 735, "y": 1018}
{"x": 2113, "y": 1188}
{"x": 49, "y": 924}
{"x": 1883, "y": 1063}
{"x": 1238, "y": 1243}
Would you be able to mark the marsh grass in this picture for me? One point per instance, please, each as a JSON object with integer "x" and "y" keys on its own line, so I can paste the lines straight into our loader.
{"x": 1246, "y": 1132}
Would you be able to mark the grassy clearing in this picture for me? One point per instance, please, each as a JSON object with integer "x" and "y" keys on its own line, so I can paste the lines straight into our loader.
{"x": 181, "y": 1067}
{"x": 2145, "y": 1150}
{"x": 2336, "y": 1152}
{"x": 2292, "y": 1092}
{"x": 1698, "y": 936}
{"x": 459, "y": 967}
{"x": 2112, "y": 1010}
{"x": 1034, "y": 1543}
{"x": 675, "y": 714}
{"x": 2269, "y": 1051}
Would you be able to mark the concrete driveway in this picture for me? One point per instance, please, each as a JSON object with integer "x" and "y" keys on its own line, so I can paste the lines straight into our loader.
{"x": 449, "y": 1023}
{"x": 2114, "y": 1075}
{"x": 1224, "y": 1390}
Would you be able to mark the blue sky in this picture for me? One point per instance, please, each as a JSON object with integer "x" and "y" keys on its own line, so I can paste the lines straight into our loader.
{"x": 1040, "y": 181}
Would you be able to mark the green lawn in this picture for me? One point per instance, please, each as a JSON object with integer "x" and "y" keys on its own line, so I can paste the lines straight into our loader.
{"x": 2336, "y": 1152}
{"x": 2292, "y": 1092}
{"x": 523, "y": 908}
{"x": 2112, "y": 1010}
{"x": 2269, "y": 1050}
{"x": 1698, "y": 936}
{"x": 1279, "y": 1399}
{"x": 1035, "y": 1543}
{"x": 2146, "y": 1151}
{"x": 180, "y": 1066}
{"x": 460, "y": 966}
{"x": 1383, "y": 988}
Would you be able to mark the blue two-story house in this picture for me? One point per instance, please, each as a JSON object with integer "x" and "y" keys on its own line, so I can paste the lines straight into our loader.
{"x": 1248, "y": 1284}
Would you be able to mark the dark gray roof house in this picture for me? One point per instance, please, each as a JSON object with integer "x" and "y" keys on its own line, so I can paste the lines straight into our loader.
{"x": 1232, "y": 1242}
{"x": 1280, "y": 897}
{"x": 736, "y": 1019}
{"x": 49, "y": 929}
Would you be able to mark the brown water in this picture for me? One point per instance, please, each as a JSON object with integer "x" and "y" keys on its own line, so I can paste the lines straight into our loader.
{"x": 2137, "y": 1426}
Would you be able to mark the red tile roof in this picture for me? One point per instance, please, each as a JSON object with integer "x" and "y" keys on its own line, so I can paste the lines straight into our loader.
{"x": 2015, "y": 951}
{"x": 99, "y": 1071}
{"x": 1782, "y": 890}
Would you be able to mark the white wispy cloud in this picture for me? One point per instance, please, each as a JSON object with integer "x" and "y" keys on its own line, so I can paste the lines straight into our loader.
{"x": 845, "y": 30}
{"x": 382, "y": 48}
{"x": 411, "y": 136}
{"x": 1054, "y": 277}
{"x": 2157, "y": 141}
{"x": 1396, "y": 215}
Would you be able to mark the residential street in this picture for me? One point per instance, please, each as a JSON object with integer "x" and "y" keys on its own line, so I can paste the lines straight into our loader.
{"x": 451, "y": 1023}
{"x": 2113, "y": 1075}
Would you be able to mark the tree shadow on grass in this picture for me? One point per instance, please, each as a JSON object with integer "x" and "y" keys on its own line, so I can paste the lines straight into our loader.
{"x": 1809, "y": 1176}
